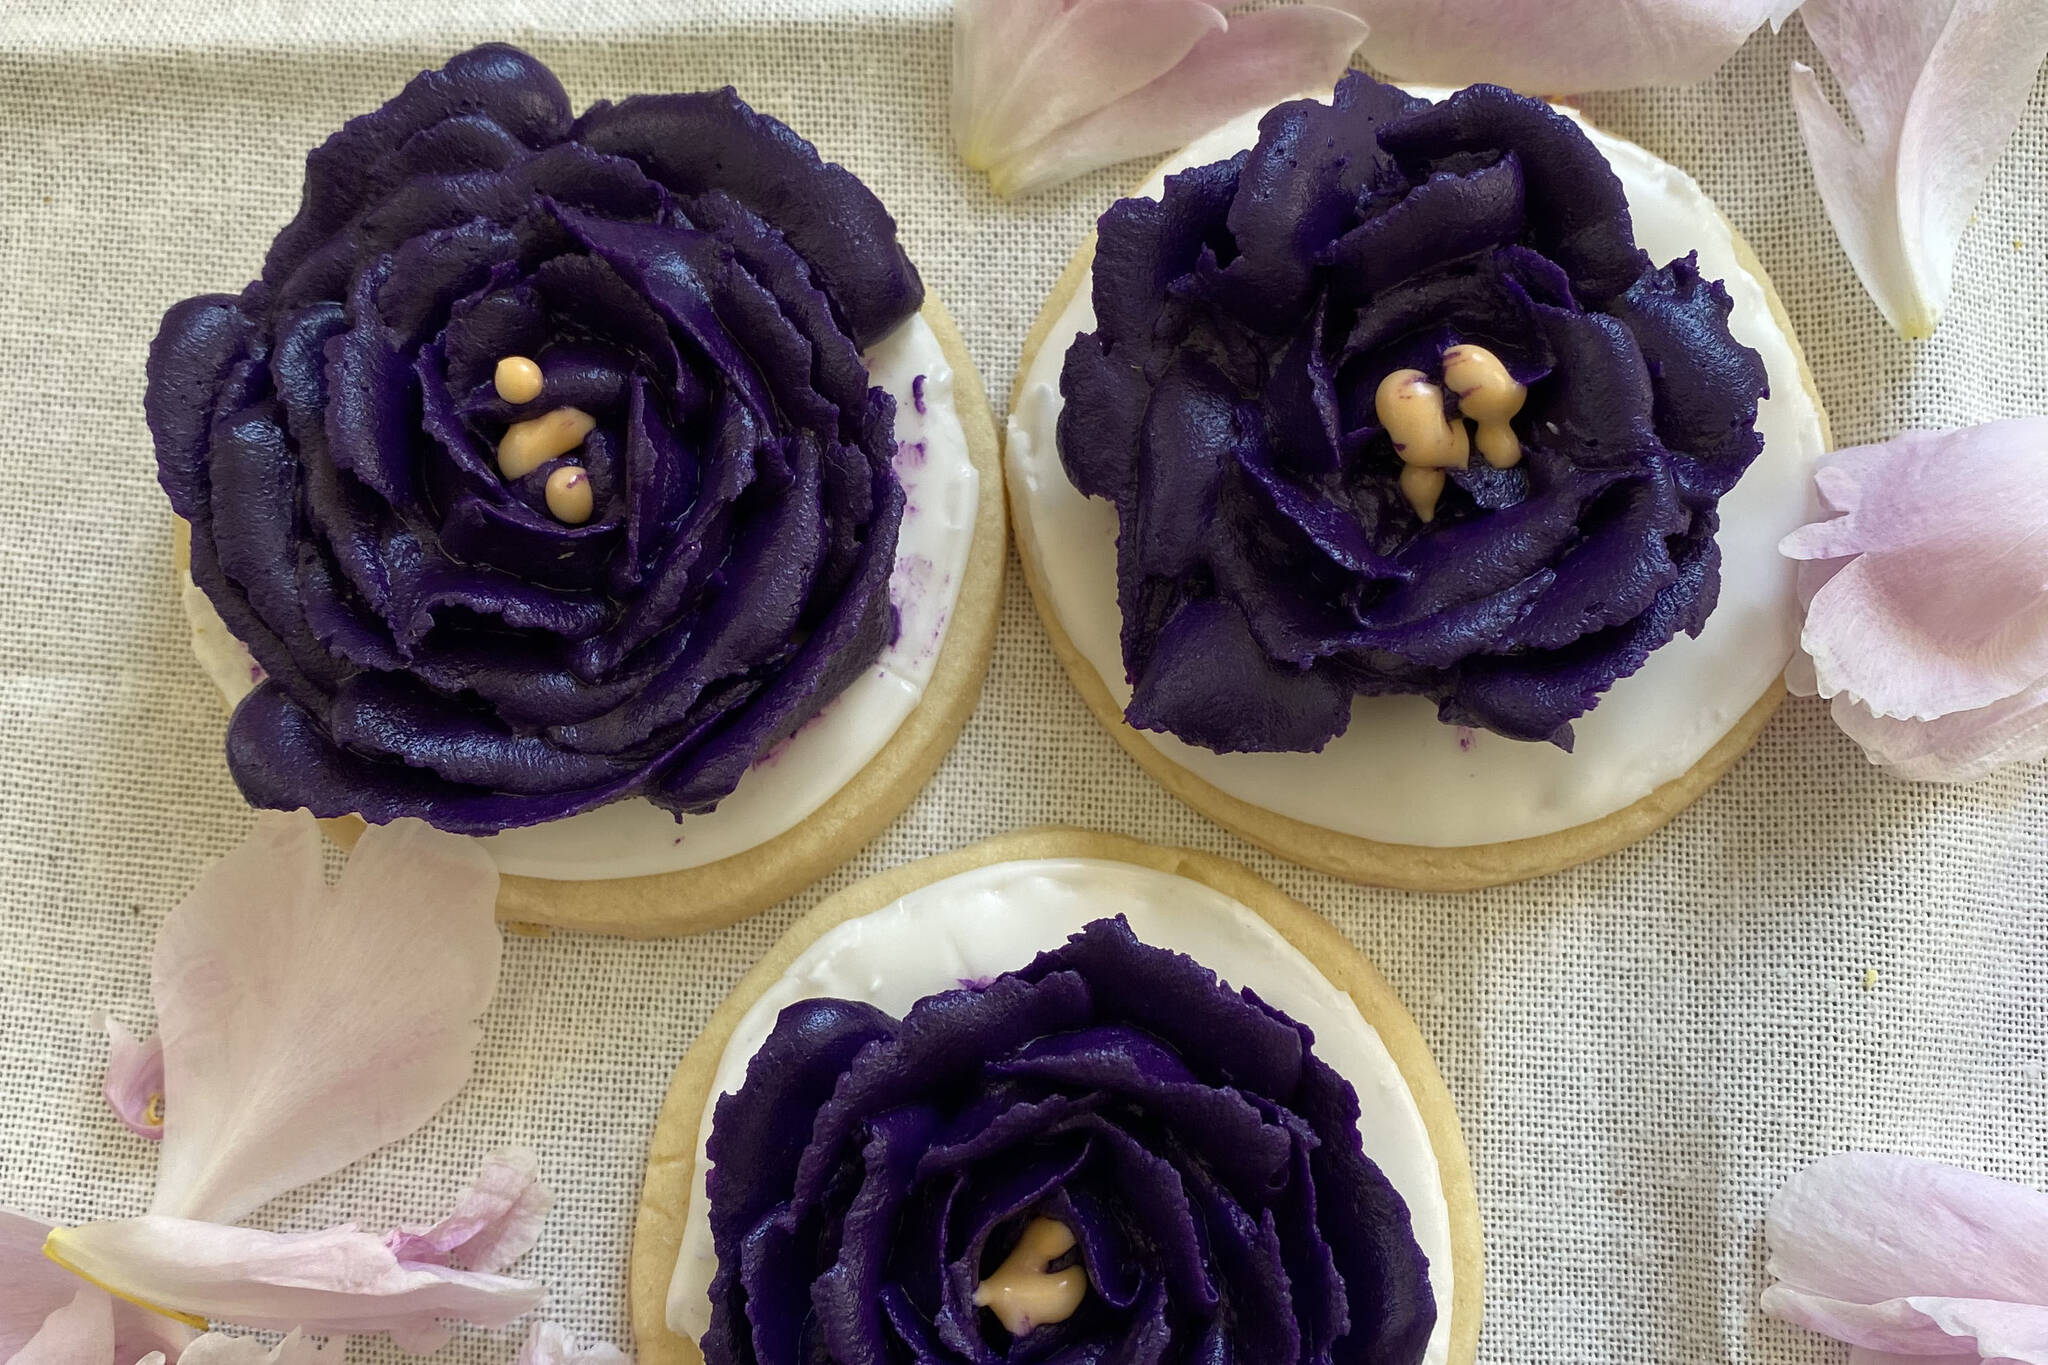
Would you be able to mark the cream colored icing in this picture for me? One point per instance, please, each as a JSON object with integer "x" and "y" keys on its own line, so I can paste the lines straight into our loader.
{"x": 635, "y": 838}
{"x": 1398, "y": 775}
{"x": 996, "y": 919}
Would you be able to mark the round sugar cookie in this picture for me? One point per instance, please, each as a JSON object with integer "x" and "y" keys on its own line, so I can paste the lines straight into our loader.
{"x": 691, "y": 900}
{"x": 666, "y": 1193}
{"x": 1250, "y": 794}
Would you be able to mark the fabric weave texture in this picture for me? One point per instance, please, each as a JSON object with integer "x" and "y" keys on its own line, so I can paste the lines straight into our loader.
{"x": 1641, "y": 1050}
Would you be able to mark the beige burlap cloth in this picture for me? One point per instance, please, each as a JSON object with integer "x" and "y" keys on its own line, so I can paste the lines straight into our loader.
{"x": 1642, "y": 1049}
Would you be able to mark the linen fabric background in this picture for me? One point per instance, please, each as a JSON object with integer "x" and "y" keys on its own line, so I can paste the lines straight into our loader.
{"x": 1642, "y": 1050}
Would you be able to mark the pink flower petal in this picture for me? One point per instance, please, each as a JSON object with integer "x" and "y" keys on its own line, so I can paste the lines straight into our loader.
{"x": 215, "y": 1348}
{"x": 1964, "y": 747}
{"x": 304, "y": 1025}
{"x": 336, "y": 1281}
{"x": 79, "y": 1333}
{"x": 1558, "y": 47}
{"x": 495, "y": 1221}
{"x": 1912, "y": 1257}
{"x": 988, "y": 38}
{"x": 548, "y": 1344}
{"x": 135, "y": 1078}
{"x": 32, "y": 1288}
{"x": 1261, "y": 59}
{"x": 1086, "y": 56}
{"x": 1942, "y": 605}
{"x": 1936, "y": 87}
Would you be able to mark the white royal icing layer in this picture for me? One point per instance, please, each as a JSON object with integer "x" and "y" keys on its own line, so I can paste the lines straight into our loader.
{"x": 1399, "y": 775}
{"x": 998, "y": 918}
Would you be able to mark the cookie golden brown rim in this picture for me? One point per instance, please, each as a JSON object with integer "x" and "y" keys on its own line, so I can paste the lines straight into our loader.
{"x": 1406, "y": 867}
{"x": 695, "y": 899}
{"x": 672, "y": 1151}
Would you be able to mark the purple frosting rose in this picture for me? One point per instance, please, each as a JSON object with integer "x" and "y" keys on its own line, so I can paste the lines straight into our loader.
{"x": 872, "y": 1171}
{"x": 1269, "y": 568}
{"x": 437, "y": 643}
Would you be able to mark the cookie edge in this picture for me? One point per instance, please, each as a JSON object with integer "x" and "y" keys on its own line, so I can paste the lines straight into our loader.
{"x": 1402, "y": 867}
{"x": 696, "y": 899}
{"x": 672, "y": 1147}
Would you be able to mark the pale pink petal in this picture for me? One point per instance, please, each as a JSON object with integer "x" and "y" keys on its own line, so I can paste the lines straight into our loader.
{"x": 304, "y": 1025}
{"x": 79, "y": 1333}
{"x": 988, "y": 38}
{"x": 1262, "y": 58}
{"x": 548, "y": 1344}
{"x": 32, "y": 1288}
{"x": 1942, "y": 605}
{"x": 1912, "y": 1257}
{"x": 135, "y": 1078}
{"x": 1964, "y": 747}
{"x": 1557, "y": 47}
{"x": 495, "y": 1221}
{"x": 216, "y": 1348}
{"x": 336, "y": 1281}
{"x": 1936, "y": 88}
{"x": 1093, "y": 53}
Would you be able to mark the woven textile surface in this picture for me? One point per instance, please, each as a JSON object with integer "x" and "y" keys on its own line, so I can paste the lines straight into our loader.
{"x": 1641, "y": 1050}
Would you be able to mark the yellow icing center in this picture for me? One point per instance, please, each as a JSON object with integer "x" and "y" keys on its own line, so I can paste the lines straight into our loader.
{"x": 1025, "y": 1292}
{"x": 1429, "y": 441}
{"x": 528, "y": 445}
{"x": 517, "y": 379}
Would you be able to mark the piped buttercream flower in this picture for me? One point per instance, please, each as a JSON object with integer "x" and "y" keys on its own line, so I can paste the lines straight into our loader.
{"x": 1106, "y": 1155}
{"x": 1393, "y": 403}
{"x": 541, "y": 468}
{"x": 1927, "y": 598}
{"x": 1907, "y": 1259}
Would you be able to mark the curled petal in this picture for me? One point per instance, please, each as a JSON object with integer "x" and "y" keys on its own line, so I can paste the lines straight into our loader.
{"x": 1964, "y": 747}
{"x": 216, "y": 1348}
{"x": 40, "y": 1301}
{"x": 135, "y": 1078}
{"x": 336, "y": 1281}
{"x": 306, "y": 1025}
{"x": 1559, "y": 46}
{"x": 1894, "y": 1254}
{"x": 495, "y": 1221}
{"x": 1260, "y": 59}
{"x": 1927, "y": 615}
{"x": 1936, "y": 88}
{"x": 547, "y": 1344}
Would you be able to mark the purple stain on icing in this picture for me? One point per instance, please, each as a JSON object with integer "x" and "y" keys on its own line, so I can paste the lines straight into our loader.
{"x": 1465, "y": 737}
{"x": 256, "y": 673}
{"x": 976, "y": 983}
{"x": 909, "y": 455}
{"x": 917, "y": 394}
{"x": 912, "y": 579}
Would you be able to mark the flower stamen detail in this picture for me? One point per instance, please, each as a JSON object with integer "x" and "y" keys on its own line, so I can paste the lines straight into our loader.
{"x": 569, "y": 495}
{"x": 1411, "y": 408}
{"x": 1025, "y": 1292}
{"x": 532, "y": 443}
{"x": 1488, "y": 395}
{"x": 517, "y": 379}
